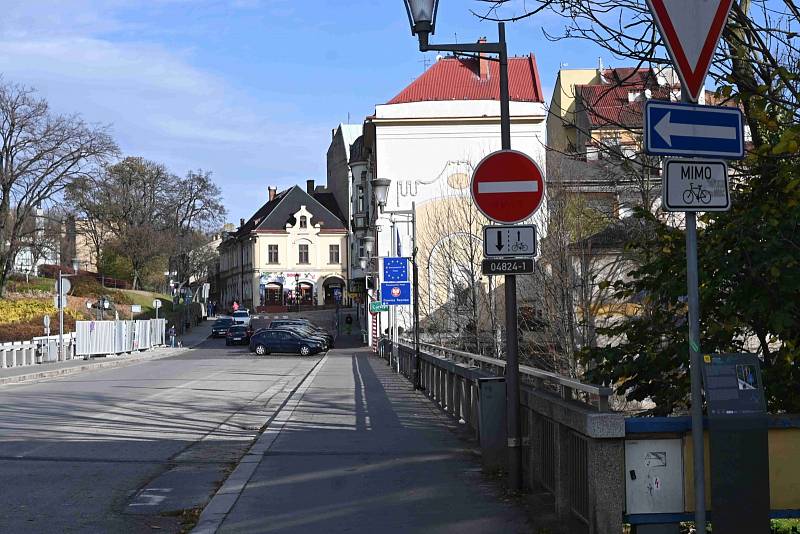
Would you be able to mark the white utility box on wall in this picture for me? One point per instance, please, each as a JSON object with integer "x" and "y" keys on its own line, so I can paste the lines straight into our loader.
{"x": 654, "y": 476}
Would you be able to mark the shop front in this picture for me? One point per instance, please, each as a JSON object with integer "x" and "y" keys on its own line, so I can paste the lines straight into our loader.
{"x": 333, "y": 290}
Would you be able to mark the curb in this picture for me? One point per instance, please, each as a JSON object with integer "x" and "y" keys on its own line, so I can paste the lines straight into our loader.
{"x": 91, "y": 366}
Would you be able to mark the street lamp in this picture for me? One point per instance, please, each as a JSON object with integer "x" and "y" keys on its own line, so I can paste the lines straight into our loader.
{"x": 102, "y": 304}
{"x": 380, "y": 187}
{"x": 369, "y": 245}
{"x": 422, "y": 18}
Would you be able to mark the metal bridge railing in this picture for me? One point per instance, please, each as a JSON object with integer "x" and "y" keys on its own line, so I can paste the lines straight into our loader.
{"x": 566, "y": 387}
{"x": 572, "y": 442}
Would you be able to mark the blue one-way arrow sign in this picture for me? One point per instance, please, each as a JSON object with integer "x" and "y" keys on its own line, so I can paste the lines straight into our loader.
{"x": 675, "y": 129}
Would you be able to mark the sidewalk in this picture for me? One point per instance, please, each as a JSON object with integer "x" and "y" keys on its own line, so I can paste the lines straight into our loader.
{"x": 357, "y": 450}
{"x": 13, "y": 375}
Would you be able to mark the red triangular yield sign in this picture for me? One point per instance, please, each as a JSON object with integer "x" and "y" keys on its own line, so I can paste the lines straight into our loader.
{"x": 691, "y": 30}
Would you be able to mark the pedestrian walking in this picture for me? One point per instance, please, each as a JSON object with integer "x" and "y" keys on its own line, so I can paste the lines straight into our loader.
{"x": 235, "y": 306}
{"x": 172, "y": 336}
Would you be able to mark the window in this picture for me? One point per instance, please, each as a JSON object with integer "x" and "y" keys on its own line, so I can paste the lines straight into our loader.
{"x": 361, "y": 252}
{"x": 303, "y": 254}
{"x": 360, "y": 197}
{"x": 272, "y": 253}
{"x": 333, "y": 254}
{"x": 303, "y": 222}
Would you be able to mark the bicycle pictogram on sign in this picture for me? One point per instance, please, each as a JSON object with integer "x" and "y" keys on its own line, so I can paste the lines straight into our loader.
{"x": 696, "y": 193}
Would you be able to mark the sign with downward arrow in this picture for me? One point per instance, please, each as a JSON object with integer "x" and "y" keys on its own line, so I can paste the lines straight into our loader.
{"x": 509, "y": 241}
{"x": 675, "y": 129}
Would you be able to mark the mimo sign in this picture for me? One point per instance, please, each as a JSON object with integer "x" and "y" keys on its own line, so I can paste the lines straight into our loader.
{"x": 696, "y": 185}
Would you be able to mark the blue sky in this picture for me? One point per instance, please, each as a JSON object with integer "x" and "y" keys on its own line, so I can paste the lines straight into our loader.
{"x": 249, "y": 89}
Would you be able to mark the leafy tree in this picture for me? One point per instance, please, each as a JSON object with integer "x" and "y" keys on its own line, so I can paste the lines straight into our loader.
{"x": 140, "y": 212}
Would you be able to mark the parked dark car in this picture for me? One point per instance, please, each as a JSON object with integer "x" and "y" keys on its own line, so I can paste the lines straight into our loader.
{"x": 305, "y": 323}
{"x": 237, "y": 334}
{"x": 303, "y": 330}
{"x": 220, "y": 327}
{"x": 271, "y": 340}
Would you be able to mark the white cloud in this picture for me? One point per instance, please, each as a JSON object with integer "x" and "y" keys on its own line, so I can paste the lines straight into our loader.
{"x": 159, "y": 104}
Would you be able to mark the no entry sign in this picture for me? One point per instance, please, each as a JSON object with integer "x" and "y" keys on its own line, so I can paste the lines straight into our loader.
{"x": 507, "y": 186}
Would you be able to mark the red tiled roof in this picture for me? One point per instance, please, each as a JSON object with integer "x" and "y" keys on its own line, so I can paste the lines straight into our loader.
{"x": 451, "y": 78}
{"x": 607, "y": 104}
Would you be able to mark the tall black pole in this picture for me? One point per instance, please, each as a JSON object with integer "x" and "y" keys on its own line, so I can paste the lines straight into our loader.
{"x": 512, "y": 358}
{"x": 512, "y": 355}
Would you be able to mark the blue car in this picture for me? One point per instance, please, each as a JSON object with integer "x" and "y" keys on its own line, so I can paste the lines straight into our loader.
{"x": 284, "y": 340}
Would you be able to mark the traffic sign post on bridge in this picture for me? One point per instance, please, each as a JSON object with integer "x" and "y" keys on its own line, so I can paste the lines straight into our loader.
{"x": 508, "y": 187}
{"x": 690, "y": 31}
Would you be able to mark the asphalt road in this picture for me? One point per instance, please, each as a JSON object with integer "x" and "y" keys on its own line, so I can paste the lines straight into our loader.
{"x": 125, "y": 450}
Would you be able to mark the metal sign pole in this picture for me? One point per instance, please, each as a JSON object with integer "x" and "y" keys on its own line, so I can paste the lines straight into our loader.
{"x": 512, "y": 355}
{"x": 393, "y": 312}
{"x": 60, "y": 318}
{"x": 695, "y": 364}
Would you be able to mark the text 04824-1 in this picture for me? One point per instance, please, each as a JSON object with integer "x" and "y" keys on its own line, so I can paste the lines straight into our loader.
{"x": 516, "y": 266}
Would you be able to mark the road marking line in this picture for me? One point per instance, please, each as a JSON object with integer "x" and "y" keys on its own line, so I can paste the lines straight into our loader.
{"x": 152, "y": 497}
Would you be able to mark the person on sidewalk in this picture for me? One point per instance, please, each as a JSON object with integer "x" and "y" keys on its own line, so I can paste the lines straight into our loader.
{"x": 172, "y": 336}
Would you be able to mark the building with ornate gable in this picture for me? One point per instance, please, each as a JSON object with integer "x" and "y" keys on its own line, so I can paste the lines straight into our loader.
{"x": 293, "y": 249}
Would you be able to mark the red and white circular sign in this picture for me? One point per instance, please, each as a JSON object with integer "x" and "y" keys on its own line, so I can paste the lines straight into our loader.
{"x": 395, "y": 291}
{"x": 507, "y": 186}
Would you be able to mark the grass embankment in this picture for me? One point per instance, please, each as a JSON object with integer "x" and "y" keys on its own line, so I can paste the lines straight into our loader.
{"x": 27, "y": 302}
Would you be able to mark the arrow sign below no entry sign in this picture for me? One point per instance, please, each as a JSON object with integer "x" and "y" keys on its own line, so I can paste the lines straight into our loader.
{"x": 505, "y": 241}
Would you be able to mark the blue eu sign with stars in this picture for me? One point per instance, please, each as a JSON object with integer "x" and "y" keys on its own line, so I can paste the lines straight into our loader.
{"x": 676, "y": 129}
{"x": 395, "y": 269}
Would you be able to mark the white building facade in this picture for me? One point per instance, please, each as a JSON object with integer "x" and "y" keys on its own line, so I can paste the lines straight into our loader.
{"x": 428, "y": 138}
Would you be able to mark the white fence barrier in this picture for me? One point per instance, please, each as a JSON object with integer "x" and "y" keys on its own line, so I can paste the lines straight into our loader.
{"x": 38, "y": 350}
{"x": 48, "y": 348}
{"x": 91, "y": 338}
{"x": 116, "y": 337}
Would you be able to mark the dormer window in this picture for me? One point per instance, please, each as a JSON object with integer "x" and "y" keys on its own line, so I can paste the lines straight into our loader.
{"x": 303, "y": 222}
